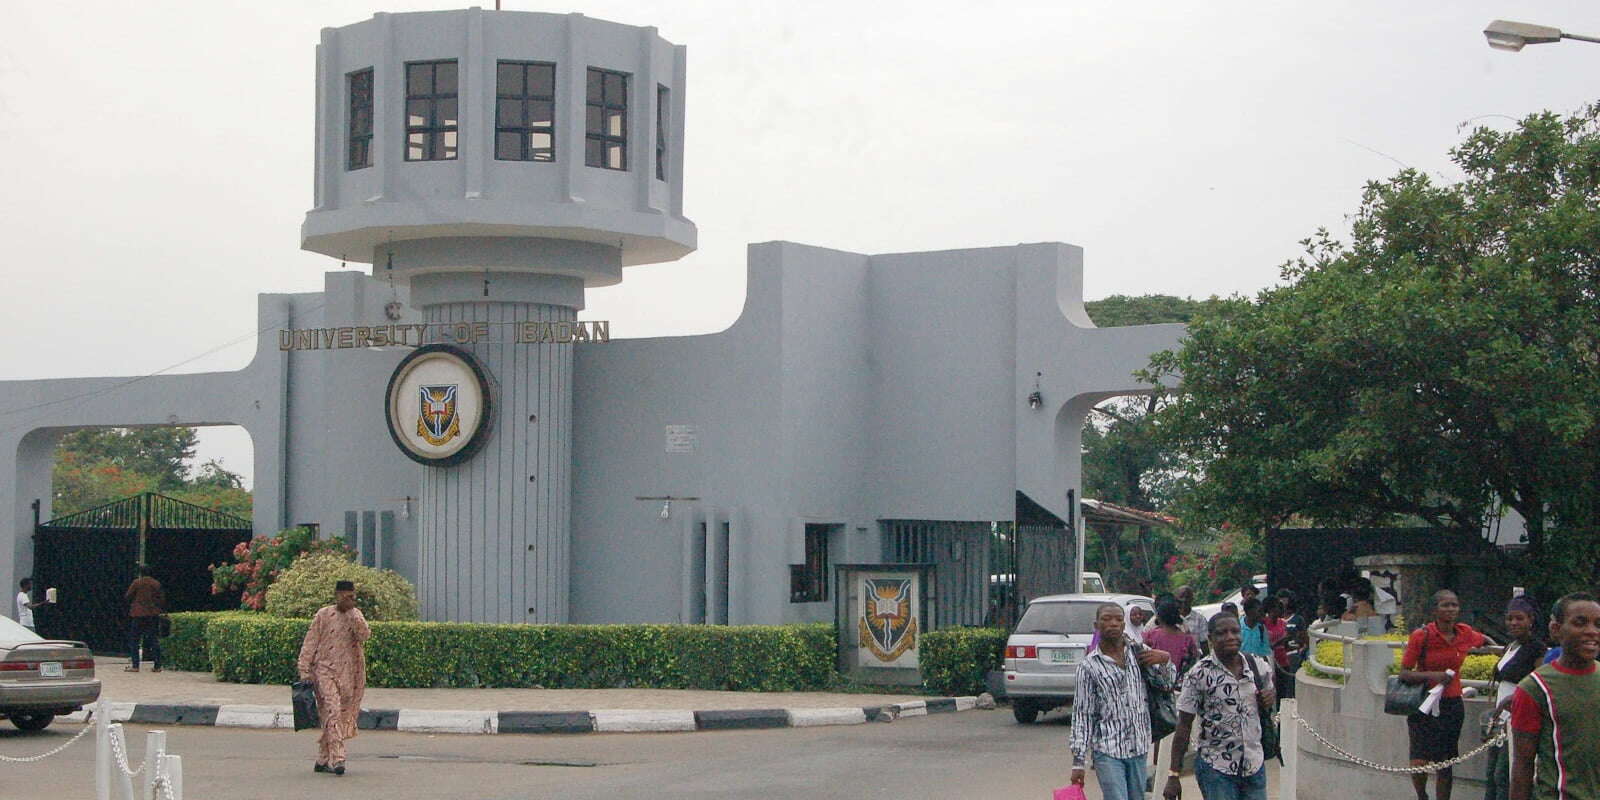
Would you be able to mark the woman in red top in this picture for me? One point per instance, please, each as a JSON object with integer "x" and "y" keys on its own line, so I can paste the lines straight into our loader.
{"x": 1434, "y": 649}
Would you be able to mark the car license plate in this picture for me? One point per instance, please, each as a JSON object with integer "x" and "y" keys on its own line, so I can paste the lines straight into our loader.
{"x": 50, "y": 669}
{"x": 1064, "y": 655}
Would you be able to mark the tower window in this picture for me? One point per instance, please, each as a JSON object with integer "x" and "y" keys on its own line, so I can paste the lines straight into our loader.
{"x": 606, "y": 123}
{"x": 663, "y": 108}
{"x": 358, "y": 152}
{"x": 432, "y": 111}
{"x": 808, "y": 582}
{"x": 525, "y": 111}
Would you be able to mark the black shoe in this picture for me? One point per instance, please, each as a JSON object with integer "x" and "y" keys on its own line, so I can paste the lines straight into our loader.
{"x": 338, "y": 769}
{"x": 320, "y": 767}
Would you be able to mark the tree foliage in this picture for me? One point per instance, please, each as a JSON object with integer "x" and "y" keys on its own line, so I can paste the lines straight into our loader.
{"x": 1443, "y": 362}
{"x": 95, "y": 466}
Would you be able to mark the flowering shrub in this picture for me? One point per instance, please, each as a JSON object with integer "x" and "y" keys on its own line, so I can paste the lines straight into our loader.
{"x": 259, "y": 562}
{"x": 381, "y": 594}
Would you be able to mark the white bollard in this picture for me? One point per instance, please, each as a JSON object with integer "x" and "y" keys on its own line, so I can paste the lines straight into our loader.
{"x": 174, "y": 774}
{"x": 1289, "y": 741}
{"x": 123, "y": 783}
{"x": 102, "y": 750}
{"x": 155, "y": 749}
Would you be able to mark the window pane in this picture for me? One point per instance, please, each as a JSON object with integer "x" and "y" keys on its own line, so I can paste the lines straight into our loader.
{"x": 444, "y": 78}
{"x": 594, "y": 86}
{"x": 542, "y": 80}
{"x": 614, "y": 93}
{"x": 417, "y": 112}
{"x": 541, "y": 141}
{"x": 449, "y": 138}
{"x": 615, "y": 156}
{"x": 419, "y": 79}
{"x": 361, "y": 120}
{"x": 358, "y": 154}
{"x": 540, "y": 113}
{"x": 446, "y": 111}
{"x": 508, "y": 79}
{"x": 508, "y": 113}
{"x": 592, "y": 120}
{"x": 414, "y": 143}
{"x": 593, "y": 153}
{"x": 507, "y": 146}
{"x": 614, "y": 121}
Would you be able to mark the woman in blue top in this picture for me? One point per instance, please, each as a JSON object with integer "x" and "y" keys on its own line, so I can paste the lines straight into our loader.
{"x": 1253, "y": 629}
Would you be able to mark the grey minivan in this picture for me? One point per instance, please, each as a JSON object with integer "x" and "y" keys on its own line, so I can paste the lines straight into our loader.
{"x": 1043, "y": 653}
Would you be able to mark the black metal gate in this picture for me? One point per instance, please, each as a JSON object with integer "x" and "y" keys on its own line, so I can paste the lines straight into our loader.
{"x": 90, "y": 558}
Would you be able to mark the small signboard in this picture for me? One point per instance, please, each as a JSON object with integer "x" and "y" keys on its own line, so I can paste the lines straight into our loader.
{"x": 683, "y": 439}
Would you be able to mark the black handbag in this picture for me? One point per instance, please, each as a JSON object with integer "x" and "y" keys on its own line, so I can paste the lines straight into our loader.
{"x": 1403, "y": 699}
{"x": 1271, "y": 745}
{"x": 304, "y": 697}
{"x": 1158, "y": 698}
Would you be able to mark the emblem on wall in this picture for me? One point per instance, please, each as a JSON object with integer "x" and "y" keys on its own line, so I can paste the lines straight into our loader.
{"x": 437, "y": 405}
{"x": 887, "y": 626}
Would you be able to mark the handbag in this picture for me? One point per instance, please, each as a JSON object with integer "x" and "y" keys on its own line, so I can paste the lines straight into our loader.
{"x": 1163, "y": 707}
{"x": 1071, "y": 791}
{"x": 303, "y": 695}
{"x": 1271, "y": 745}
{"x": 1403, "y": 699}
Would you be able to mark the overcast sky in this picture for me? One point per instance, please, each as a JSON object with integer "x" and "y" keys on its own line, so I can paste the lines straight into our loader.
{"x": 157, "y": 156}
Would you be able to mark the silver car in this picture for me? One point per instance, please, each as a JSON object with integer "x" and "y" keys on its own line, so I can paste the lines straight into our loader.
{"x": 40, "y": 678}
{"x": 1043, "y": 653}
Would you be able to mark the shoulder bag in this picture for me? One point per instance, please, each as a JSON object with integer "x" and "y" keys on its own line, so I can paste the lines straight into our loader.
{"x": 1401, "y": 698}
{"x": 1158, "y": 698}
{"x": 1271, "y": 747}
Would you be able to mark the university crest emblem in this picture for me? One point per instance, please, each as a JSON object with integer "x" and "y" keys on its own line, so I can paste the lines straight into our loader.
{"x": 437, "y": 422}
{"x": 887, "y": 628}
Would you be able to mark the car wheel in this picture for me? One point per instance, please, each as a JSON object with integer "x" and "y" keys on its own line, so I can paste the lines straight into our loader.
{"x": 32, "y": 722}
{"x": 1024, "y": 711}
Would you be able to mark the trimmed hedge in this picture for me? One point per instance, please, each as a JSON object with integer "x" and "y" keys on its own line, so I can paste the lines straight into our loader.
{"x": 956, "y": 661}
{"x": 186, "y": 649}
{"x": 1476, "y": 668}
{"x": 254, "y": 648}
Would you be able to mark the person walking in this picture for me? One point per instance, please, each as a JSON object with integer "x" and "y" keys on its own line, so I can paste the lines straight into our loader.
{"x": 1194, "y": 622}
{"x": 1433, "y": 656}
{"x": 1167, "y": 634}
{"x": 1229, "y": 691}
{"x": 1522, "y": 656}
{"x": 1257, "y": 641}
{"x": 334, "y": 656}
{"x": 146, "y": 602}
{"x": 1110, "y": 721}
{"x": 1555, "y": 711}
{"x": 26, "y": 605}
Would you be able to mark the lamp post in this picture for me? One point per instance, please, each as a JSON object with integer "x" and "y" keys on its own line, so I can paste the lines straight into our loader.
{"x": 1507, "y": 35}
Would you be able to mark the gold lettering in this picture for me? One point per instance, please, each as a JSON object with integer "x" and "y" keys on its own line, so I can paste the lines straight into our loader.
{"x": 602, "y": 330}
{"x": 363, "y": 336}
{"x": 380, "y": 336}
{"x": 524, "y": 333}
{"x": 563, "y": 332}
{"x": 285, "y": 340}
{"x": 422, "y": 332}
{"x": 580, "y": 331}
{"x": 480, "y": 331}
{"x": 346, "y": 338}
{"x": 461, "y": 332}
{"x": 541, "y": 333}
{"x": 327, "y": 337}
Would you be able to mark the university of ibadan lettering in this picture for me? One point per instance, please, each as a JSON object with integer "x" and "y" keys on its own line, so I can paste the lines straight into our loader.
{"x": 416, "y": 335}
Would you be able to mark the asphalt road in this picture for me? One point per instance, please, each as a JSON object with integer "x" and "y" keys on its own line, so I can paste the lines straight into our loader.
{"x": 973, "y": 754}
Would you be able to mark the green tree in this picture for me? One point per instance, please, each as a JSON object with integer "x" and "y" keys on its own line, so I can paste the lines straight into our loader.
{"x": 161, "y": 453}
{"x": 1444, "y": 362}
{"x": 100, "y": 465}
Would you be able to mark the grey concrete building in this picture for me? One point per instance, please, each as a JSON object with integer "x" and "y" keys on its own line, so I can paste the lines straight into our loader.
{"x": 491, "y": 166}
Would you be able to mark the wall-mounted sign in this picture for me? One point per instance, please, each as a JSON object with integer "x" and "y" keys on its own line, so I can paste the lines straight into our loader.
{"x": 582, "y": 331}
{"x": 888, "y": 619}
{"x": 437, "y": 405}
{"x": 682, "y": 439}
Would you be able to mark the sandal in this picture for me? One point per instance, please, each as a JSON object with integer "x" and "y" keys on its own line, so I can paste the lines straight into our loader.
{"x": 338, "y": 769}
{"x": 320, "y": 767}
{"x": 130, "y": 669}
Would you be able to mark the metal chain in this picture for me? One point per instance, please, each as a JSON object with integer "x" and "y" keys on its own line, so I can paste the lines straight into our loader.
{"x": 121, "y": 755}
{"x": 44, "y": 756}
{"x": 1498, "y": 740}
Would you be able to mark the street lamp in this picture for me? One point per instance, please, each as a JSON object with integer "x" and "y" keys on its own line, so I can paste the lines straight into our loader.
{"x": 1507, "y": 35}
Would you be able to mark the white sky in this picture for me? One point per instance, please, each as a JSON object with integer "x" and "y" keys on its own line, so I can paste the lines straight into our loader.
{"x": 157, "y": 156}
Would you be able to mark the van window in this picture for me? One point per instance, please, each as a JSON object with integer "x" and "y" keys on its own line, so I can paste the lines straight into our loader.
{"x": 1059, "y": 618}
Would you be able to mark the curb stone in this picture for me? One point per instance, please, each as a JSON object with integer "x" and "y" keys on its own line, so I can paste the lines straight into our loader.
{"x": 496, "y": 722}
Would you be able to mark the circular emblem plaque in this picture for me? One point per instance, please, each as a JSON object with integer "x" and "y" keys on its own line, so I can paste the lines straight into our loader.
{"x": 438, "y": 405}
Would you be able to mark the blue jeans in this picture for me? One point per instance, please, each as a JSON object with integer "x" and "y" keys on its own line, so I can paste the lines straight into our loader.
{"x": 1216, "y": 785}
{"x": 1120, "y": 778}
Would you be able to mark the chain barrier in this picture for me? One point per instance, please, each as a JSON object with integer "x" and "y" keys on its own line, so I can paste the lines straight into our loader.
{"x": 44, "y": 756}
{"x": 1498, "y": 740}
{"x": 120, "y": 755}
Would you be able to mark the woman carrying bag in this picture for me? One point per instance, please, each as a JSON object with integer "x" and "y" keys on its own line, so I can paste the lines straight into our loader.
{"x": 1433, "y": 656}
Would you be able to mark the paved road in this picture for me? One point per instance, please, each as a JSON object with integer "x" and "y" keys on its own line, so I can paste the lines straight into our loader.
{"x": 975, "y": 754}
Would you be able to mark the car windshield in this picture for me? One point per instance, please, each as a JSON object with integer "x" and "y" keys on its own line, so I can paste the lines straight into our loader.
{"x": 1059, "y": 618}
{"x": 1093, "y": 584}
{"x": 12, "y": 631}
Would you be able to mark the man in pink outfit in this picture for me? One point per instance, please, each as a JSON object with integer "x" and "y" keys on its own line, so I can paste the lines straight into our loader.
{"x": 334, "y": 655}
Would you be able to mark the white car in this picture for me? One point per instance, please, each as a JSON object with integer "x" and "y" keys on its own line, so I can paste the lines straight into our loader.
{"x": 40, "y": 678}
{"x": 1043, "y": 653}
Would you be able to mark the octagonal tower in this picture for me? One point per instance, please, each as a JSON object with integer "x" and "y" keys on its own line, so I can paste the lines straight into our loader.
{"x": 498, "y": 163}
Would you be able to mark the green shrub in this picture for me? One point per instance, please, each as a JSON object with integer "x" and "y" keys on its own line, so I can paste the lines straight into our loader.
{"x": 382, "y": 594}
{"x": 186, "y": 649}
{"x": 259, "y": 562}
{"x": 263, "y": 649}
{"x": 1475, "y": 668}
{"x": 956, "y": 661}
